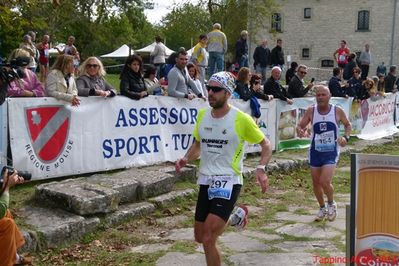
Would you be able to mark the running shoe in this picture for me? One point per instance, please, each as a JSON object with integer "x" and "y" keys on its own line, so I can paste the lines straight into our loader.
{"x": 321, "y": 214}
{"x": 332, "y": 211}
{"x": 239, "y": 218}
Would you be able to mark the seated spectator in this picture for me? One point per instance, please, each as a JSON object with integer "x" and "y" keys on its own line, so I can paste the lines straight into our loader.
{"x": 29, "y": 85}
{"x": 256, "y": 88}
{"x": 60, "y": 81}
{"x": 195, "y": 76}
{"x": 170, "y": 63}
{"x": 11, "y": 238}
{"x": 296, "y": 87}
{"x": 91, "y": 81}
{"x": 381, "y": 85}
{"x": 354, "y": 85}
{"x": 132, "y": 81}
{"x": 153, "y": 85}
{"x": 273, "y": 86}
{"x": 348, "y": 69}
{"x": 290, "y": 72}
{"x": 391, "y": 80}
{"x": 179, "y": 80}
{"x": 242, "y": 84}
{"x": 335, "y": 84}
{"x": 370, "y": 90}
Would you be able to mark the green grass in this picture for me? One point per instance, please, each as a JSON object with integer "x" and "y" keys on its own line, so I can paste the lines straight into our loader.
{"x": 113, "y": 80}
{"x": 286, "y": 189}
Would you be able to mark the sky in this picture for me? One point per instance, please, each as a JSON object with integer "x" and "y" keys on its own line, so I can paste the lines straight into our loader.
{"x": 161, "y": 8}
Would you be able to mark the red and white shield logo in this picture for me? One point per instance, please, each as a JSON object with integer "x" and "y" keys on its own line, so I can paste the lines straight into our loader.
{"x": 48, "y": 129}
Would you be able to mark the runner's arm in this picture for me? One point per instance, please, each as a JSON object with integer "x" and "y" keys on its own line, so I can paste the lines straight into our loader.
{"x": 265, "y": 156}
{"x": 193, "y": 153}
{"x": 342, "y": 141}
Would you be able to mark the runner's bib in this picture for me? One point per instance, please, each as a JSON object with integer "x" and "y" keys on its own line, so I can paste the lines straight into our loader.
{"x": 325, "y": 141}
{"x": 220, "y": 187}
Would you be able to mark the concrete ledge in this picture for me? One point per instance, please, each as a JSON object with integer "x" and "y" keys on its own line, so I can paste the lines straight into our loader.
{"x": 168, "y": 198}
{"x": 57, "y": 227}
{"x": 78, "y": 196}
{"x": 129, "y": 211}
{"x": 124, "y": 182}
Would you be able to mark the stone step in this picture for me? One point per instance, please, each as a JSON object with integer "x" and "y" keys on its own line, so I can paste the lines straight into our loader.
{"x": 55, "y": 227}
{"x": 103, "y": 193}
{"x": 129, "y": 211}
{"x": 167, "y": 198}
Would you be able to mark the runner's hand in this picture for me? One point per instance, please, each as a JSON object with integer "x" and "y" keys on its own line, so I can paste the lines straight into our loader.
{"x": 262, "y": 179}
{"x": 180, "y": 164}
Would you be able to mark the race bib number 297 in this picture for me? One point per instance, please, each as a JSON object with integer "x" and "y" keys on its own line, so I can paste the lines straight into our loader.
{"x": 220, "y": 187}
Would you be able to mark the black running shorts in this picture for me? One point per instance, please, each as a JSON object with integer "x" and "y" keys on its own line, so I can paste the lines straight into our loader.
{"x": 217, "y": 206}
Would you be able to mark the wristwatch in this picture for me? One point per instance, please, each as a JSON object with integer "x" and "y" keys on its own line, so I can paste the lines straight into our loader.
{"x": 261, "y": 167}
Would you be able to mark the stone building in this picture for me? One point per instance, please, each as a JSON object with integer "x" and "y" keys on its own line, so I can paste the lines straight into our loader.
{"x": 311, "y": 31}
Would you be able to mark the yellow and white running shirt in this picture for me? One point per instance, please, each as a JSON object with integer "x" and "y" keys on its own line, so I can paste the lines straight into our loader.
{"x": 222, "y": 143}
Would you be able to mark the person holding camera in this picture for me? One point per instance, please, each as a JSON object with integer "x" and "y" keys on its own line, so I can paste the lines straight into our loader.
{"x": 28, "y": 85}
{"x": 10, "y": 237}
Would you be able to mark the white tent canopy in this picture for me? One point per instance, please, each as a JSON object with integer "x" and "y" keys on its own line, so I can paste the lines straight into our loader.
{"x": 150, "y": 48}
{"x": 55, "y": 51}
{"x": 122, "y": 51}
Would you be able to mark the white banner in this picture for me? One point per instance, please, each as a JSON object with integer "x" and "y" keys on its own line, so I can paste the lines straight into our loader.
{"x": 378, "y": 117}
{"x": 290, "y": 115}
{"x": 51, "y": 139}
{"x": 3, "y": 132}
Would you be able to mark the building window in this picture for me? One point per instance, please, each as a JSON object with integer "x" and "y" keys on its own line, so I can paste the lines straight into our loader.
{"x": 363, "y": 19}
{"x": 307, "y": 13}
{"x": 305, "y": 53}
{"x": 276, "y": 22}
{"x": 327, "y": 63}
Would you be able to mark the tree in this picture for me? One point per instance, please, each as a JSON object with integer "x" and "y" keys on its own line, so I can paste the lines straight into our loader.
{"x": 183, "y": 25}
{"x": 238, "y": 15}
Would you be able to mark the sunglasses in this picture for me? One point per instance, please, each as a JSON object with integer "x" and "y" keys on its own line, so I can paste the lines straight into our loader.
{"x": 92, "y": 65}
{"x": 214, "y": 89}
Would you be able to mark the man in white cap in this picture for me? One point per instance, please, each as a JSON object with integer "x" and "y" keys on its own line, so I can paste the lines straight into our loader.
{"x": 220, "y": 134}
{"x": 217, "y": 47}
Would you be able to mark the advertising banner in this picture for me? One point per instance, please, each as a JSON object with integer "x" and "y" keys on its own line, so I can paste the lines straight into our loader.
{"x": 288, "y": 117}
{"x": 375, "y": 210}
{"x": 50, "y": 138}
{"x": 3, "y": 132}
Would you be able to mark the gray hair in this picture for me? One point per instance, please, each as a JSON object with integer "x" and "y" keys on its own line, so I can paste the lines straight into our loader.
{"x": 217, "y": 26}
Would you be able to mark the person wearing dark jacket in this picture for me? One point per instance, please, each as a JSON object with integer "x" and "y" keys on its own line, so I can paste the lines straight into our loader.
{"x": 273, "y": 86}
{"x": 335, "y": 84}
{"x": 290, "y": 72}
{"x": 296, "y": 87}
{"x": 391, "y": 80}
{"x": 242, "y": 84}
{"x": 242, "y": 50}
{"x": 348, "y": 69}
{"x": 261, "y": 58}
{"x": 354, "y": 86}
{"x": 132, "y": 82}
{"x": 256, "y": 88}
{"x": 277, "y": 55}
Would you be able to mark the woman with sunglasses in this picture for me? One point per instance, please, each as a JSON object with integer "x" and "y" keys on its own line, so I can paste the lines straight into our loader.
{"x": 91, "y": 82}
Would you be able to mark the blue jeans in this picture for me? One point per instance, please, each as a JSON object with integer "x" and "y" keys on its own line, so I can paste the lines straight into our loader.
{"x": 243, "y": 62}
{"x": 262, "y": 71}
{"x": 215, "y": 59}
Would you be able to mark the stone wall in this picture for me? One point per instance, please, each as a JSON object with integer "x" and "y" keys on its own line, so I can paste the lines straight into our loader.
{"x": 330, "y": 22}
